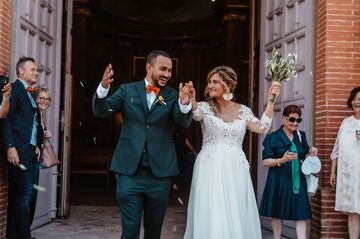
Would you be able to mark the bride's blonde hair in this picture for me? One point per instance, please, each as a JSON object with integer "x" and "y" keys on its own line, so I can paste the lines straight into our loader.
{"x": 228, "y": 78}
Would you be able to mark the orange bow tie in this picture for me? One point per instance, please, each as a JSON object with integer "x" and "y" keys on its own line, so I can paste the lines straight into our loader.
{"x": 30, "y": 89}
{"x": 154, "y": 89}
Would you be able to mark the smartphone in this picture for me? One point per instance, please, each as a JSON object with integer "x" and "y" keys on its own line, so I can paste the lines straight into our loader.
{"x": 291, "y": 152}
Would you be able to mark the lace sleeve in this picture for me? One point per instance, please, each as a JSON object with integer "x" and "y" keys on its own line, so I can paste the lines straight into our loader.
{"x": 202, "y": 108}
{"x": 253, "y": 123}
{"x": 335, "y": 152}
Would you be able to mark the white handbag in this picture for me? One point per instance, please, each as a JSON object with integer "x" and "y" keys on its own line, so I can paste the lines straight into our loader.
{"x": 312, "y": 184}
{"x": 310, "y": 166}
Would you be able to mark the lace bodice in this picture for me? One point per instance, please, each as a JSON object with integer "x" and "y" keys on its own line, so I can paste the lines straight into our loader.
{"x": 216, "y": 131}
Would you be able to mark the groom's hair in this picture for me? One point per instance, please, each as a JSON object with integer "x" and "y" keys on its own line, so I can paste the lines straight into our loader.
{"x": 154, "y": 54}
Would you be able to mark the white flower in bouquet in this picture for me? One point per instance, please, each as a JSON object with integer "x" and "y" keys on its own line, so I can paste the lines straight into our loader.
{"x": 281, "y": 69}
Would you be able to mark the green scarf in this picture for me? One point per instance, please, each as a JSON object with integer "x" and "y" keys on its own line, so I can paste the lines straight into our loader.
{"x": 295, "y": 170}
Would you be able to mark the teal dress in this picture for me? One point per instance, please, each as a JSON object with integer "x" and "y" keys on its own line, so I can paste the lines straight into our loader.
{"x": 278, "y": 199}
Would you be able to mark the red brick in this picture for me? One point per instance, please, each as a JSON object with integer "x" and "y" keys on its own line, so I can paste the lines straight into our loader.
{"x": 337, "y": 67}
{"x": 5, "y": 9}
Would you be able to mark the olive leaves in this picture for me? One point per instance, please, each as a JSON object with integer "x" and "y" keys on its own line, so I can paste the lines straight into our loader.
{"x": 281, "y": 69}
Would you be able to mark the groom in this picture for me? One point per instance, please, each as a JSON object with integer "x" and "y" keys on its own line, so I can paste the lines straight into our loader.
{"x": 144, "y": 160}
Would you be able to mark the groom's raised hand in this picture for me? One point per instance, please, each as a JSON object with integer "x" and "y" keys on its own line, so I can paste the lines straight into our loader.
{"x": 107, "y": 77}
{"x": 185, "y": 92}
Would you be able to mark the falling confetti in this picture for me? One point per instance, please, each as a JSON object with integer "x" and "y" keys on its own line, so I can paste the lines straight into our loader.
{"x": 80, "y": 123}
{"x": 39, "y": 188}
{"x": 174, "y": 228}
{"x": 22, "y": 167}
{"x": 82, "y": 84}
{"x": 94, "y": 139}
{"x": 175, "y": 187}
{"x": 111, "y": 110}
{"x": 180, "y": 201}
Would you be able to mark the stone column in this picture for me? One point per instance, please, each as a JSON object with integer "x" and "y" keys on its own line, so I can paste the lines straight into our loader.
{"x": 190, "y": 71}
{"x": 236, "y": 44}
{"x": 80, "y": 56}
{"x": 189, "y": 63}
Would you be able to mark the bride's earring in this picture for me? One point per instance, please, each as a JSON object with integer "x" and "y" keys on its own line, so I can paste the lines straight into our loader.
{"x": 228, "y": 96}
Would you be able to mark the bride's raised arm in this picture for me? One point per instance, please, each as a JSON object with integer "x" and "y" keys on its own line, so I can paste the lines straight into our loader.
{"x": 263, "y": 125}
{"x": 255, "y": 124}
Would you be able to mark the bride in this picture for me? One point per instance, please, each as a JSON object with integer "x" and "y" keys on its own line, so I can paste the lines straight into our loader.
{"x": 222, "y": 203}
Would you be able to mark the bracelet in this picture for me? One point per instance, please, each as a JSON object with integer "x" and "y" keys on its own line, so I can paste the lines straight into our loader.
{"x": 6, "y": 97}
{"x": 278, "y": 162}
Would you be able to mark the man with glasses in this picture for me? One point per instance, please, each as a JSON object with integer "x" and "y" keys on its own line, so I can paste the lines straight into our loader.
{"x": 21, "y": 137}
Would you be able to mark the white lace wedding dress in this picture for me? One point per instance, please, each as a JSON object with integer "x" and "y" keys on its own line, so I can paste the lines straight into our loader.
{"x": 222, "y": 203}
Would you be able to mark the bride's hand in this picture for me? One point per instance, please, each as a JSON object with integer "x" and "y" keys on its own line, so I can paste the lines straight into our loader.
{"x": 275, "y": 89}
{"x": 191, "y": 90}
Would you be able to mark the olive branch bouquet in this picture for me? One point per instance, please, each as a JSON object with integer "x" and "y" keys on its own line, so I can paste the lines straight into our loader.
{"x": 281, "y": 69}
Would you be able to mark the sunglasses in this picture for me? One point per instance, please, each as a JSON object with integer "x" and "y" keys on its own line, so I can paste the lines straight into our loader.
{"x": 293, "y": 119}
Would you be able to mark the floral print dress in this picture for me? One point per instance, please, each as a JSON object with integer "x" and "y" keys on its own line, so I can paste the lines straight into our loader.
{"x": 347, "y": 153}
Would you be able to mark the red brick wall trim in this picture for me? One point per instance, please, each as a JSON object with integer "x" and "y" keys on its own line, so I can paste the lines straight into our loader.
{"x": 5, "y": 19}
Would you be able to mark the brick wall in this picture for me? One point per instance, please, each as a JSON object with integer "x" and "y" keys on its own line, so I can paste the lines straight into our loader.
{"x": 5, "y": 10}
{"x": 337, "y": 72}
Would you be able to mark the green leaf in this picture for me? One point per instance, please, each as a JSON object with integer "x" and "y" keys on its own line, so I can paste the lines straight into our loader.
{"x": 281, "y": 68}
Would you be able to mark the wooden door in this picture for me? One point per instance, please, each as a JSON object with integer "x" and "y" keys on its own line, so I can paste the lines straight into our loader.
{"x": 37, "y": 33}
{"x": 289, "y": 26}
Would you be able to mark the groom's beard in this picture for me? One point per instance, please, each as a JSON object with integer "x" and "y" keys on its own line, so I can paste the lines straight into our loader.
{"x": 157, "y": 79}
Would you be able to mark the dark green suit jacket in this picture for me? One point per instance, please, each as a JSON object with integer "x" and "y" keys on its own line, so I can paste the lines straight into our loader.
{"x": 144, "y": 129}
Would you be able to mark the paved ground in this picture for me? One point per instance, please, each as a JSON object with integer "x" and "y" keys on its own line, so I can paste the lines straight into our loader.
{"x": 94, "y": 215}
{"x": 103, "y": 222}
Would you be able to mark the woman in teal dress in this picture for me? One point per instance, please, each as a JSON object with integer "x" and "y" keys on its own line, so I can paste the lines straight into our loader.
{"x": 285, "y": 195}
